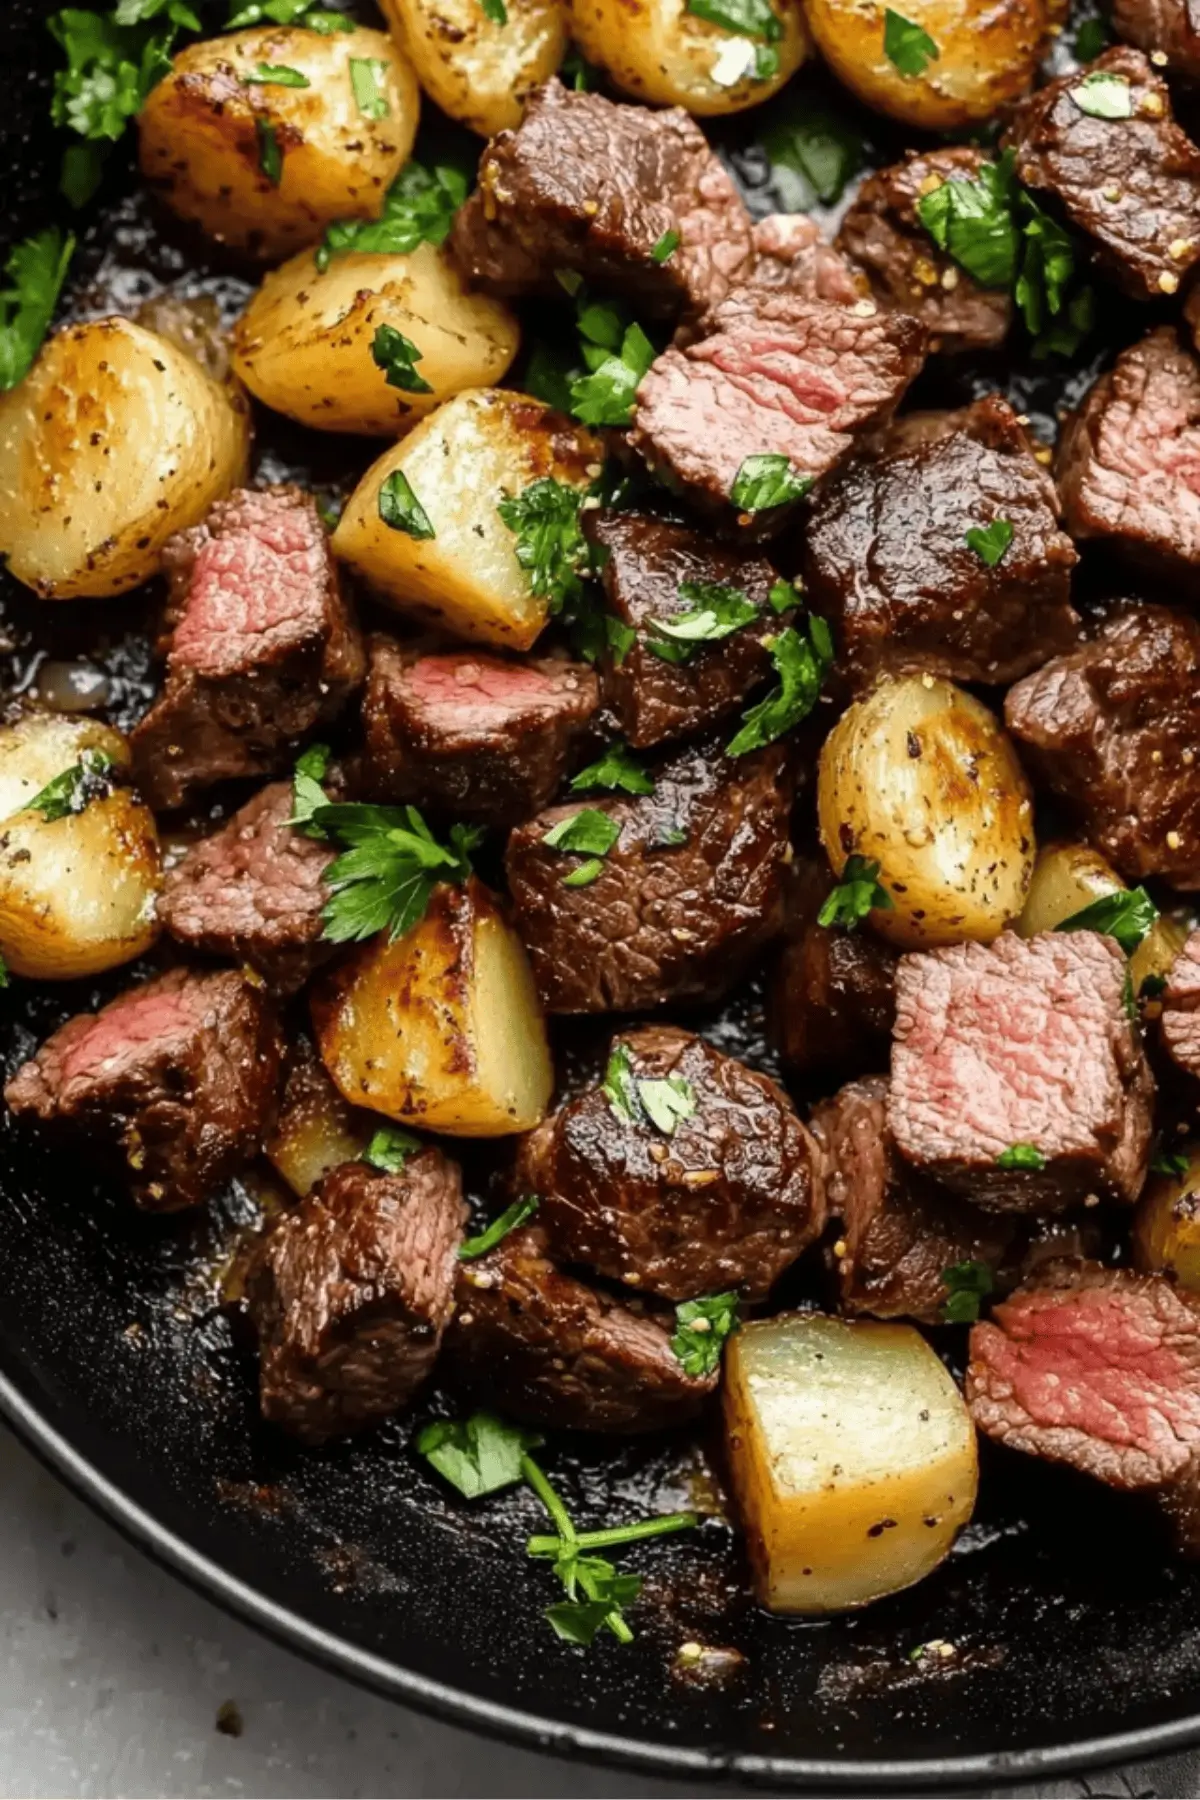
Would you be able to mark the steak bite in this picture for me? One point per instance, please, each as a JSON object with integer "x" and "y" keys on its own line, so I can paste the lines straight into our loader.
{"x": 1131, "y": 182}
{"x": 1113, "y": 728}
{"x": 646, "y": 564}
{"x": 831, "y": 999}
{"x": 593, "y": 186}
{"x": 690, "y": 890}
{"x": 882, "y": 233}
{"x": 900, "y": 1233}
{"x": 775, "y": 374}
{"x": 726, "y": 1199}
{"x": 790, "y": 252}
{"x": 1179, "y": 1022}
{"x": 253, "y": 893}
{"x": 263, "y": 645}
{"x": 1128, "y": 463}
{"x": 179, "y": 1077}
{"x": 887, "y": 561}
{"x": 472, "y": 735}
{"x": 1169, "y": 27}
{"x": 350, "y": 1294}
{"x": 546, "y": 1349}
{"x": 1017, "y": 1075}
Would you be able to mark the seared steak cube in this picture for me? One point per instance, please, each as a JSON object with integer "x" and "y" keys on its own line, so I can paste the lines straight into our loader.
{"x": 774, "y": 374}
{"x": 888, "y": 562}
{"x": 1017, "y": 1074}
{"x": 646, "y": 564}
{"x": 884, "y": 235}
{"x": 1126, "y": 462}
{"x": 1179, "y": 1022}
{"x": 253, "y": 893}
{"x": 472, "y": 735}
{"x": 351, "y": 1292}
{"x": 546, "y": 1349}
{"x": 1170, "y": 28}
{"x": 725, "y": 1199}
{"x": 263, "y": 646}
{"x": 1131, "y": 182}
{"x": 831, "y": 999}
{"x": 1113, "y": 728}
{"x": 179, "y": 1077}
{"x": 790, "y": 252}
{"x": 588, "y": 185}
{"x": 689, "y": 891}
{"x": 900, "y": 1233}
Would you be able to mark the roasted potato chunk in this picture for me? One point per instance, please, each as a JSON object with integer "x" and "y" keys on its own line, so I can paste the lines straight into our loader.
{"x": 114, "y": 440}
{"x": 661, "y": 52}
{"x": 1166, "y": 1225}
{"x": 443, "y": 1028}
{"x": 304, "y": 344}
{"x": 265, "y": 165}
{"x": 479, "y": 71}
{"x": 477, "y": 450}
{"x": 1066, "y": 878}
{"x": 317, "y": 1130}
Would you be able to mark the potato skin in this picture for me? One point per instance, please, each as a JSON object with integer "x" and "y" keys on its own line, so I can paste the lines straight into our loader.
{"x": 919, "y": 776}
{"x": 199, "y": 136}
{"x": 1066, "y": 878}
{"x": 658, "y": 51}
{"x": 1166, "y": 1224}
{"x": 479, "y": 72}
{"x": 988, "y": 56}
{"x": 303, "y": 345}
{"x": 482, "y": 447}
{"x": 80, "y": 514}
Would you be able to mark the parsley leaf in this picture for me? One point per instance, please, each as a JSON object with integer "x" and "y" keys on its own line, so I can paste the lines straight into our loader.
{"x": 907, "y": 47}
{"x": 1126, "y": 915}
{"x": 136, "y": 12}
{"x": 549, "y": 373}
{"x": 701, "y": 1327}
{"x": 478, "y": 1455}
{"x": 419, "y": 209}
{"x": 767, "y": 481}
{"x": 368, "y": 75}
{"x": 667, "y": 1103}
{"x": 718, "y": 611}
{"x": 400, "y": 509}
{"x": 392, "y": 864}
{"x": 967, "y": 1285}
{"x": 620, "y": 638}
{"x": 276, "y": 75}
{"x": 618, "y": 770}
{"x": 814, "y": 153}
{"x": 1104, "y": 96}
{"x": 35, "y": 271}
{"x": 307, "y": 793}
{"x": 113, "y": 61}
{"x": 74, "y": 790}
{"x": 585, "y": 833}
{"x": 396, "y": 355}
{"x": 802, "y": 665}
{"x": 856, "y": 894}
{"x": 972, "y": 220}
{"x": 390, "y": 1148}
{"x": 784, "y": 596}
{"x": 577, "y": 72}
{"x": 666, "y": 247}
{"x": 550, "y": 545}
{"x": 619, "y": 1087}
{"x": 1047, "y": 267}
{"x": 270, "y": 151}
{"x": 990, "y": 542}
{"x": 290, "y": 12}
{"x": 1021, "y": 1156}
{"x": 1170, "y": 1162}
{"x": 748, "y": 18}
{"x": 606, "y": 396}
{"x": 509, "y": 1220}
{"x": 495, "y": 10}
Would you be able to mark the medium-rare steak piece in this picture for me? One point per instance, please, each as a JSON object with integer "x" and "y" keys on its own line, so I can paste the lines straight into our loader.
{"x": 593, "y": 186}
{"x": 253, "y": 893}
{"x": 350, "y": 1294}
{"x": 546, "y": 1349}
{"x": 690, "y": 890}
{"x": 1096, "y": 1368}
{"x": 1017, "y": 1074}
{"x": 775, "y": 374}
{"x": 1169, "y": 27}
{"x": 1130, "y": 182}
{"x": 1113, "y": 728}
{"x": 725, "y": 1199}
{"x": 263, "y": 645}
{"x": 831, "y": 999}
{"x": 882, "y": 233}
{"x": 179, "y": 1077}
{"x": 888, "y": 561}
{"x": 1128, "y": 463}
{"x": 790, "y": 252}
{"x": 1179, "y": 1022}
{"x": 475, "y": 736}
{"x": 646, "y": 564}
{"x": 900, "y": 1233}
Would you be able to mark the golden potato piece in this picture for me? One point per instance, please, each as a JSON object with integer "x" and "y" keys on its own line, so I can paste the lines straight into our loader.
{"x": 266, "y": 166}
{"x": 1066, "y": 878}
{"x": 659, "y": 51}
{"x": 114, "y": 440}
{"x": 1166, "y": 1225}
{"x": 478, "y": 71}
{"x": 317, "y": 1130}
{"x": 304, "y": 344}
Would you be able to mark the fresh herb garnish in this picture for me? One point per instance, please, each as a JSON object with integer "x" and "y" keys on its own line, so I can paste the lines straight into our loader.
{"x": 665, "y": 248}
{"x": 586, "y": 833}
{"x": 784, "y": 596}
{"x": 1170, "y": 1162}
{"x": 400, "y": 509}
{"x": 289, "y": 12}
{"x": 908, "y": 47}
{"x": 1126, "y": 915}
{"x": 478, "y": 1455}
{"x": 550, "y": 545}
{"x": 495, "y": 10}
{"x": 1021, "y": 1156}
{"x": 4, "y": 980}
{"x": 419, "y": 209}
{"x": 307, "y": 793}
{"x": 368, "y": 75}
{"x": 701, "y": 1327}
{"x": 1103, "y": 96}
{"x": 1047, "y": 268}
{"x": 270, "y": 154}
{"x": 667, "y": 1103}
{"x": 967, "y": 1285}
{"x": 717, "y": 611}
{"x": 276, "y": 75}
{"x": 618, "y": 771}
{"x": 619, "y": 1087}
{"x": 972, "y": 220}
{"x": 391, "y": 865}
{"x": 990, "y": 542}
{"x": 74, "y": 790}
{"x": 802, "y": 664}
{"x": 390, "y": 1148}
{"x": 397, "y": 356}
{"x": 756, "y": 19}
{"x": 766, "y": 481}
{"x": 35, "y": 271}
{"x": 1090, "y": 40}
{"x": 498, "y": 1230}
{"x": 606, "y": 395}
{"x": 814, "y": 152}
{"x": 620, "y": 638}
{"x": 856, "y": 894}
{"x": 113, "y": 62}
{"x": 577, "y": 72}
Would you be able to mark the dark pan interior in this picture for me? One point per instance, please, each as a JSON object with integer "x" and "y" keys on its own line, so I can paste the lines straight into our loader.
{"x": 1077, "y": 1637}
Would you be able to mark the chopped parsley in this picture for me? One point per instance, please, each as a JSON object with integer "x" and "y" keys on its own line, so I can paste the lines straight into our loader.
{"x": 289, "y": 12}
{"x": 908, "y": 47}
{"x": 967, "y": 1285}
{"x": 587, "y": 833}
{"x": 606, "y": 395}
{"x": 1103, "y": 96}
{"x": 113, "y": 60}
{"x": 619, "y": 1087}
{"x": 802, "y": 664}
{"x": 270, "y": 154}
{"x": 784, "y": 596}
{"x": 990, "y": 542}
{"x": 766, "y": 481}
{"x": 307, "y": 793}
{"x": 368, "y": 75}
{"x": 754, "y": 20}
{"x": 419, "y": 209}
{"x": 74, "y": 790}
{"x": 717, "y": 611}
{"x": 618, "y": 771}
{"x": 577, "y": 72}
{"x": 972, "y": 220}
{"x": 400, "y": 509}
{"x": 856, "y": 894}
{"x": 276, "y": 75}
{"x": 390, "y": 1148}
{"x": 620, "y": 638}
{"x": 1170, "y": 1162}
{"x": 478, "y": 1455}
{"x": 1021, "y": 1156}
{"x": 397, "y": 356}
{"x": 666, "y": 247}
{"x": 667, "y": 1103}
{"x": 701, "y": 1327}
{"x": 35, "y": 272}
{"x": 391, "y": 864}
{"x": 1126, "y": 915}
{"x": 509, "y": 1220}
{"x": 814, "y": 152}
{"x": 495, "y": 10}
{"x": 550, "y": 546}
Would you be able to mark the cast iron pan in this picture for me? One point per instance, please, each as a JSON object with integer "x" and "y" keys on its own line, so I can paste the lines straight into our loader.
{"x": 1078, "y": 1638}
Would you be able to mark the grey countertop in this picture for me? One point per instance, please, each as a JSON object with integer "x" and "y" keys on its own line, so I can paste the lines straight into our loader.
{"x": 113, "y": 1677}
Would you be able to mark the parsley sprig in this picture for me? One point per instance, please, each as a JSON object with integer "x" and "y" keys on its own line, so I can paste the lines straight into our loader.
{"x": 390, "y": 1148}
{"x": 617, "y": 771}
{"x": 397, "y": 356}
{"x": 419, "y": 209}
{"x": 35, "y": 271}
{"x": 701, "y": 1328}
{"x": 857, "y": 894}
{"x": 967, "y": 1285}
{"x": 908, "y": 47}
{"x": 716, "y": 612}
{"x": 801, "y": 664}
{"x": 509, "y": 1220}
{"x": 1126, "y": 915}
{"x": 550, "y": 545}
{"x": 113, "y": 60}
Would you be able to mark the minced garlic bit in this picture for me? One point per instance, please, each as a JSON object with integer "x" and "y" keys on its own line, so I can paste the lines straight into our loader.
{"x": 1173, "y": 840}
{"x": 691, "y": 1652}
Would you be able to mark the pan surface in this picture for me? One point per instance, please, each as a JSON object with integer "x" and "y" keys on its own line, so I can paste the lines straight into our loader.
{"x": 1077, "y": 1639}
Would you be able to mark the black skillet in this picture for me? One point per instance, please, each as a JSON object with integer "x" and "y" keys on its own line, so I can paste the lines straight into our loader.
{"x": 1077, "y": 1637}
